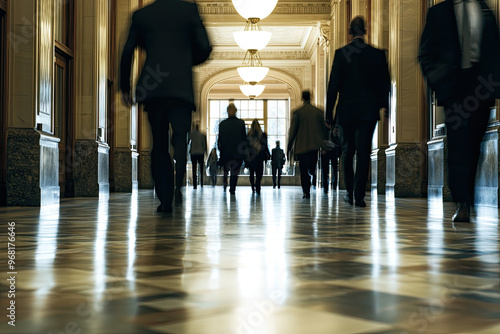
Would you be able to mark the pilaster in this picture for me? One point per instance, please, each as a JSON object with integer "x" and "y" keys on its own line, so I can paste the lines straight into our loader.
{"x": 406, "y": 161}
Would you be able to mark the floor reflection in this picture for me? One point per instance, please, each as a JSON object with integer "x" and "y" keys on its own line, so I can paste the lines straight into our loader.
{"x": 274, "y": 263}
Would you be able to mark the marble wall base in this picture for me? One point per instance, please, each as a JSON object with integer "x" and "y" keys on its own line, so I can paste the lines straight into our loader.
{"x": 404, "y": 173}
{"x": 123, "y": 170}
{"x": 145, "y": 177}
{"x": 437, "y": 187}
{"x": 378, "y": 170}
{"x": 32, "y": 168}
{"x": 86, "y": 168}
{"x": 103, "y": 172}
{"x": 487, "y": 190}
{"x": 135, "y": 171}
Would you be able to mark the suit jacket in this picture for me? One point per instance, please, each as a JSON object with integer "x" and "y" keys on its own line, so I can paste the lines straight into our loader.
{"x": 440, "y": 53}
{"x": 360, "y": 78}
{"x": 198, "y": 143}
{"x": 174, "y": 38}
{"x": 232, "y": 141}
{"x": 306, "y": 129}
{"x": 277, "y": 157}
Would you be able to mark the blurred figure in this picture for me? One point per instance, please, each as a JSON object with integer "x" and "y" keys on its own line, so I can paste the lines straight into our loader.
{"x": 257, "y": 154}
{"x": 277, "y": 163}
{"x": 212, "y": 164}
{"x": 165, "y": 85}
{"x": 462, "y": 66}
{"x": 232, "y": 145}
{"x": 330, "y": 153}
{"x": 198, "y": 149}
{"x": 360, "y": 78}
{"x": 306, "y": 137}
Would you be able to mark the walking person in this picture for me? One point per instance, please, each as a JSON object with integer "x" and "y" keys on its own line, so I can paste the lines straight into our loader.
{"x": 460, "y": 58}
{"x": 257, "y": 155}
{"x": 330, "y": 154}
{"x": 213, "y": 166}
{"x": 305, "y": 138}
{"x": 232, "y": 144}
{"x": 165, "y": 86}
{"x": 360, "y": 81}
{"x": 198, "y": 150}
{"x": 277, "y": 163}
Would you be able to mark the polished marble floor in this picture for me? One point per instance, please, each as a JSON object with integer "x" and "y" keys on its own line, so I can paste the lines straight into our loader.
{"x": 247, "y": 264}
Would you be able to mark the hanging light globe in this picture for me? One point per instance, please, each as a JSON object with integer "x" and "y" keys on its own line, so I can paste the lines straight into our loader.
{"x": 252, "y": 40}
{"x": 252, "y": 91}
{"x": 253, "y": 74}
{"x": 254, "y": 9}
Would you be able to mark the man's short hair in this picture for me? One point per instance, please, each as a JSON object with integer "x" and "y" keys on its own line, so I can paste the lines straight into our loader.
{"x": 357, "y": 27}
{"x": 277, "y": 142}
{"x": 306, "y": 95}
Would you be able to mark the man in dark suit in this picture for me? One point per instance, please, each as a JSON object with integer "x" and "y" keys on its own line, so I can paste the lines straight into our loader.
{"x": 305, "y": 136}
{"x": 277, "y": 162}
{"x": 174, "y": 39}
{"x": 360, "y": 77}
{"x": 232, "y": 143}
{"x": 460, "y": 57}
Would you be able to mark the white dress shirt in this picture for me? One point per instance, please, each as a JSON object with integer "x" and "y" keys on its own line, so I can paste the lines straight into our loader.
{"x": 476, "y": 24}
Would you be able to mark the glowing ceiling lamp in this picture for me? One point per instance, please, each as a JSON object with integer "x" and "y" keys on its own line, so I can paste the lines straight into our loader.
{"x": 254, "y": 9}
{"x": 252, "y": 70}
{"x": 252, "y": 91}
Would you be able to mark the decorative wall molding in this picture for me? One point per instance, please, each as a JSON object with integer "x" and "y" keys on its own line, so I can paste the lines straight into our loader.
{"x": 205, "y": 73}
{"x": 264, "y": 55}
{"x": 296, "y": 72}
{"x": 283, "y": 7}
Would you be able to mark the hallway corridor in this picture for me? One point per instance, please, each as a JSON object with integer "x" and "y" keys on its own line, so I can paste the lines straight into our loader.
{"x": 244, "y": 264}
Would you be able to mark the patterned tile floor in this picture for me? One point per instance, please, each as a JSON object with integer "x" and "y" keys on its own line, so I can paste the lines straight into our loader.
{"x": 246, "y": 264}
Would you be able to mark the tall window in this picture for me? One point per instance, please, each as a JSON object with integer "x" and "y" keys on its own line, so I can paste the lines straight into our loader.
{"x": 271, "y": 114}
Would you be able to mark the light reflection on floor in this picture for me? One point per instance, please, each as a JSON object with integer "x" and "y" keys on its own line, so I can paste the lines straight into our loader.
{"x": 274, "y": 263}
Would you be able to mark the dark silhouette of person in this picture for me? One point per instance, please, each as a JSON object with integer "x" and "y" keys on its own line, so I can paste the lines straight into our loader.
{"x": 330, "y": 153}
{"x": 360, "y": 80}
{"x": 277, "y": 163}
{"x": 306, "y": 137}
{"x": 460, "y": 58}
{"x": 256, "y": 155}
{"x": 198, "y": 149}
{"x": 174, "y": 39}
{"x": 212, "y": 165}
{"x": 232, "y": 145}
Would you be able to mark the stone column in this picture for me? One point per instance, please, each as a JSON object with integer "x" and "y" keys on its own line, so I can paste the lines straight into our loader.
{"x": 32, "y": 149}
{"x": 380, "y": 39}
{"x": 91, "y": 162}
{"x": 126, "y": 119}
{"x": 406, "y": 156}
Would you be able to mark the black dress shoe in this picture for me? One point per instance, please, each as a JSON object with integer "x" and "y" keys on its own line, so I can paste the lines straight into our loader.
{"x": 361, "y": 203}
{"x": 348, "y": 199}
{"x": 462, "y": 214}
{"x": 306, "y": 196}
{"x": 164, "y": 208}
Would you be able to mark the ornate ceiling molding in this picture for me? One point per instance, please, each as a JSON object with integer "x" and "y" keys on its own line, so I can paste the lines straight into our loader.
{"x": 283, "y": 7}
{"x": 264, "y": 55}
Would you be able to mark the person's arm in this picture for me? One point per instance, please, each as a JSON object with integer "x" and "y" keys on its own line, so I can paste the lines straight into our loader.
{"x": 433, "y": 70}
{"x": 385, "y": 82}
{"x": 200, "y": 42}
{"x": 126, "y": 61}
{"x": 294, "y": 127}
{"x": 333, "y": 87}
